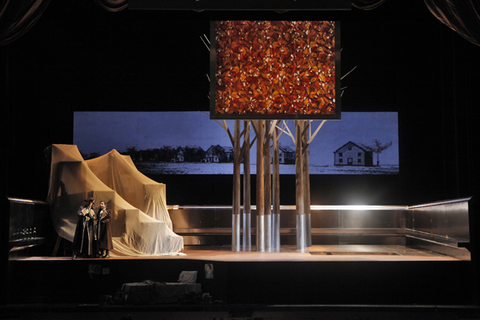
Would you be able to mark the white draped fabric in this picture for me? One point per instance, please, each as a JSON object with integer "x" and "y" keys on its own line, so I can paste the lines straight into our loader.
{"x": 118, "y": 172}
{"x": 114, "y": 179}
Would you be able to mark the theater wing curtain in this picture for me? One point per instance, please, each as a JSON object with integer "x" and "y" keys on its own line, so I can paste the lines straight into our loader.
{"x": 462, "y": 16}
{"x": 367, "y": 4}
{"x": 18, "y": 16}
{"x": 113, "y": 5}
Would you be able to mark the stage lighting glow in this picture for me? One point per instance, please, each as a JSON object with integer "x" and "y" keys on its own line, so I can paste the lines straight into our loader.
{"x": 357, "y": 207}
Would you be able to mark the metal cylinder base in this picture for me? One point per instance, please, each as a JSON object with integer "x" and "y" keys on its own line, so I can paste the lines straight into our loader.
{"x": 235, "y": 232}
{"x": 261, "y": 233}
{"x": 268, "y": 232}
{"x": 301, "y": 232}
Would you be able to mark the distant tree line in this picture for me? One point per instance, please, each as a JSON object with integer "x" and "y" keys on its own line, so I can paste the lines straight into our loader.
{"x": 214, "y": 154}
{"x": 167, "y": 154}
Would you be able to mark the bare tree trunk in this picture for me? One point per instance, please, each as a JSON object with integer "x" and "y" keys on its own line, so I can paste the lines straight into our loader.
{"x": 276, "y": 193}
{"x": 300, "y": 211}
{"x": 236, "y": 189}
{"x": 247, "y": 212}
{"x": 306, "y": 187}
{"x": 260, "y": 203}
{"x": 268, "y": 188}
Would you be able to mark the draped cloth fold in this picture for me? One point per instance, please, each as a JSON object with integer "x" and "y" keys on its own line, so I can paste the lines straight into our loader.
{"x": 462, "y": 16}
{"x": 17, "y": 17}
{"x": 140, "y": 224}
{"x": 113, "y": 5}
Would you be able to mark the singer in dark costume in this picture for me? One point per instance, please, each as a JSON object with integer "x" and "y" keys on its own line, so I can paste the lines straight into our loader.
{"x": 104, "y": 232}
{"x": 83, "y": 241}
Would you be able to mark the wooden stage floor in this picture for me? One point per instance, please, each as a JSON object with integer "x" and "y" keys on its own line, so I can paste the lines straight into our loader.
{"x": 322, "y": 275}
{"x": 316, "y": 253}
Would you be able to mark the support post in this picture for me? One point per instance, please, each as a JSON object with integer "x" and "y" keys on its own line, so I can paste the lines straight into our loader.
{"x": 260, "y": 203}
{"x": 276, "y": 192}
{"x": 236, "y": 188}
{"x": 247, "y": 202}
{"x": 300, "y": 211}
{"x": 306, "y": 186}
{"x": 268, "y": 188}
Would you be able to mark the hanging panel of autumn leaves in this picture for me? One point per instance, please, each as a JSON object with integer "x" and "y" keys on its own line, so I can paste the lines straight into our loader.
{"x": 275, "y": 70}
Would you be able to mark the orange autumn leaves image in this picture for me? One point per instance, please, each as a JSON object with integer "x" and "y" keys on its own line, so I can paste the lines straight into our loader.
{"x": 275, "y": 67}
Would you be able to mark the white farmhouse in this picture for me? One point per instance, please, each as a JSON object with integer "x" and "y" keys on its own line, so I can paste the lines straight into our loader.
{"x": 351, "y": 154}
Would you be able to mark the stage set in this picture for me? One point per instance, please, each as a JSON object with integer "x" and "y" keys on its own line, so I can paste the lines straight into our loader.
{"x": 374, "y": 262}
{"x": 260, "y": 256}
{"x": 180, "y": 259}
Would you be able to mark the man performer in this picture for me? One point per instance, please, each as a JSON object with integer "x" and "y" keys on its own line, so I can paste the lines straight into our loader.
{"x": 104, "y": 232}
{"x": 83, "y": 240}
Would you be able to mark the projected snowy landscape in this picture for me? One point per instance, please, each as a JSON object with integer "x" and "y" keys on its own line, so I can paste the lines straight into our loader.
{"x": 191, "y": 143}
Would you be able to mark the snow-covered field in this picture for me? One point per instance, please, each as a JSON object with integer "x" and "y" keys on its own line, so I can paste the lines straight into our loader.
{"x": 149, "y": 168}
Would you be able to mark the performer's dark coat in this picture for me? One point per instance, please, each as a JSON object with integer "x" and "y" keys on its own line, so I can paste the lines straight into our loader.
{"x": 83, "y": 241}
{"x": 104, "y": 230}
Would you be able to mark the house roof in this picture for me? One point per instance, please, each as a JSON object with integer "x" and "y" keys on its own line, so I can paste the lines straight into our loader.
{"x": 355, "y": 144}
{"x": 286, "y": 149}
{"x": 225, "y": 148}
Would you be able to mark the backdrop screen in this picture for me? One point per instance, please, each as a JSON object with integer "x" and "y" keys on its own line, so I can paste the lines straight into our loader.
{"x": 192, "y": 143}
{"x": 275, "y": 69}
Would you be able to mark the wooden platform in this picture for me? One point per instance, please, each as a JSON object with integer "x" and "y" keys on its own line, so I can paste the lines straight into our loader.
{"x": 324, "y": 281}
{"x": 325, "y": 274}
{"x": 316, "y": 253}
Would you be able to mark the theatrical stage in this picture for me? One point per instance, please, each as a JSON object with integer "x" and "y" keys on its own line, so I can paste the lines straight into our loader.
{"x": 378, "y": 268}
{"x": 405, "y": 259}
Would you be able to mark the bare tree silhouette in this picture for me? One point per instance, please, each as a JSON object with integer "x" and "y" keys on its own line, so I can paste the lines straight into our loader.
{"x": 377, "y": 148}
